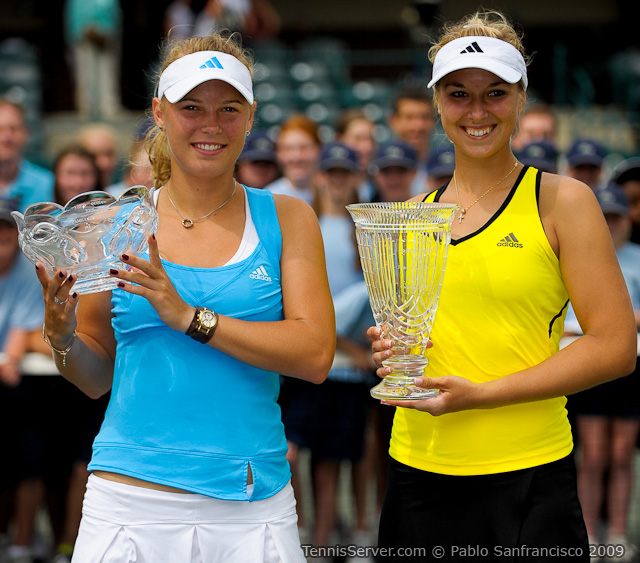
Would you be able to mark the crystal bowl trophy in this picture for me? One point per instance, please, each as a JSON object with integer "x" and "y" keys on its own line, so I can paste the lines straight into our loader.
{"x": 403, "y": 250}
{"x": 87, "y": 235}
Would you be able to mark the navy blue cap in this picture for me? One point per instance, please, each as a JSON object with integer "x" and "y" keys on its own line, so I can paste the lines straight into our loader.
{"x": 585, "y": 151}
{"x": 394, "y": 153}
{"x": 7, "y": 205}
{"x": 338, "y": 155}
{"x": 258, "y": 146}
{"x": 628, "y": 169}
{"x": 442, "y": 161}
{"x": 542, "y": 155}
{"x": 613, "y": 199}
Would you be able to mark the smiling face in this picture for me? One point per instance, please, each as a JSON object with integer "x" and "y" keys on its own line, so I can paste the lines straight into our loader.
{"x": 478, "y": 111}
{"x": 206, "y": 129}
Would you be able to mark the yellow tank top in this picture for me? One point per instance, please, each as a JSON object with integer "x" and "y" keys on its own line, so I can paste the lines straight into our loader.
{"x": 501, "y": 310}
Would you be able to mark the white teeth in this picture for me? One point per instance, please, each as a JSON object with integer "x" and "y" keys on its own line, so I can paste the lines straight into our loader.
{"x": 478, "y": 132}
{"x": 208, "y": 147}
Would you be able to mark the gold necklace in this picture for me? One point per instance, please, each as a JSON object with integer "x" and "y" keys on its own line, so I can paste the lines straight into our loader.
{"x": 188, "y": 223}
{"x": 463, "y": 210}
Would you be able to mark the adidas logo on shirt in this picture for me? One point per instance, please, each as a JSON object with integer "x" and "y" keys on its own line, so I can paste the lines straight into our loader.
{"x": 510, "y": 240}
{"x": 473, "y": 48}
{"x": 212, "y": 63}
{"x": 260, "y": 274}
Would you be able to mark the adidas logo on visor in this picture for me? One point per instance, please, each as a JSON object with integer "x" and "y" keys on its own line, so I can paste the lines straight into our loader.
{"x": 213, "y": 62}
{"x": 473, "y": 48}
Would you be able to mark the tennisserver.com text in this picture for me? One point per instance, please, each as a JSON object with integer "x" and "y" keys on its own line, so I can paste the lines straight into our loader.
{"x": 361, "y": 551}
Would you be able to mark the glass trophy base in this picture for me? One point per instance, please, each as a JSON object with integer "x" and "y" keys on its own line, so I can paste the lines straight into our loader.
{"x": 398, "y": 386}
{"x": 95, "y": 284}
{"x": 97, "y": 281}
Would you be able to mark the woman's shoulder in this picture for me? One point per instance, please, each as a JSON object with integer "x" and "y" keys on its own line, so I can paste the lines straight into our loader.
{"x": 563, "y": 193}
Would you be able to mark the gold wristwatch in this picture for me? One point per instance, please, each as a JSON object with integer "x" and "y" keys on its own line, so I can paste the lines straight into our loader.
{"x": 203, "y": 325}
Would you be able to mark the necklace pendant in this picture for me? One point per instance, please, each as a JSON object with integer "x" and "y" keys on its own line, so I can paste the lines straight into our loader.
{"x": 187, "y": 223}
{"x": 461, "y": 216}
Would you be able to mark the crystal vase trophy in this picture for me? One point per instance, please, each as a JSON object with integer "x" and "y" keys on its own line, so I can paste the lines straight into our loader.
{"x": 403, "y": 250}
{"x": 87, "y": 236}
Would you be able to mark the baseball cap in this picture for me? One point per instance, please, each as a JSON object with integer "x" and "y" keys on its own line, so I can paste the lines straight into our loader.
{"x": 338, "y": 155}
{"x": 442, "y": 161}
{"x": 628, "y": 169}
{"x": 258, "y": 146}
{"x": 7, "y": 205}
{"x": 613, "y": 199}
{"x": 585, "y": 151}
{"x": 187, "y": 72}
{"x": 542, "y": 155}
{"x": 394, "y": 153}
{"x": 487, "y": 53}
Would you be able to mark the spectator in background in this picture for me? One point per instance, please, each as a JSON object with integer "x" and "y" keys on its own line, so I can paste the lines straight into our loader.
{"x": 355, "y": 129}
{"x": 608, "y": 416}
{"x": 298, "y": 151}
{"x": 584, "y": 162}
{"x": 393, "y": 170}
{"x": 19, "y": 179}
{"x": 258, "y": 165}
{"x": 179, "y": 20}
{"x": 137, "y": 171}
{"x": 101, "y": 141}
{"x": 330, "y": 419}
{"x": 537, "y": 123}
{"x": 76, "y": 172}
{"x": 21, "y": 311}
{"x": 263, "y": 21}
{"x": 440, "y": 166}
{"x": 542, "y": 155}
{"x": 93, "y": 30}
{"x": 217, "y": 15}
{"x": 57, "y": 433}
{"x": 412, "y": 121}
{"x": 627, "y": 175}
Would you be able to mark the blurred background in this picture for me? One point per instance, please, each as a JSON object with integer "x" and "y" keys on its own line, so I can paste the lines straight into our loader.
{"x": 320, "y": 57}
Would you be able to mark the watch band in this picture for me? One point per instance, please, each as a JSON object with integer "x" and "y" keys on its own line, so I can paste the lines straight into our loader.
{"x": 199, "y": 332}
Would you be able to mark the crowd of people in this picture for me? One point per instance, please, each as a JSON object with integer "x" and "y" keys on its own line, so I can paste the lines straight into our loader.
{"x": 282, "y": 338}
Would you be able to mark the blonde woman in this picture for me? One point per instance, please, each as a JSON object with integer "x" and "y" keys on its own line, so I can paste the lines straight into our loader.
{"x": 190, "y": 463}
{"x": 488, "y": 461}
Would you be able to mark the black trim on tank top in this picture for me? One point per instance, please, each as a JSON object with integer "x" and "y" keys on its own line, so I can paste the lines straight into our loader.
{"x": 557, "y": 317}
{"x": 509, "y": 197}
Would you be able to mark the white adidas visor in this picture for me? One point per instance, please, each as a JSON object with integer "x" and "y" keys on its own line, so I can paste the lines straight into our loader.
{"x": 488, "y": 53}
{"x": 184, "y": 74}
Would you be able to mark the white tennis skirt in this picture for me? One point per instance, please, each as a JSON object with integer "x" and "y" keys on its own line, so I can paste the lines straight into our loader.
{"x": 128, "y": 524}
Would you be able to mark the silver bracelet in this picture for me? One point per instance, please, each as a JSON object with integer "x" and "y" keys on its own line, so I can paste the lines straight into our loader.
{"x": 64, "y": 352}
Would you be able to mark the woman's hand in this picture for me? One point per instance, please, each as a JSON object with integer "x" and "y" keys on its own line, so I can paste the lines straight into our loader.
{"x": 455, "y": 394}
{"x": 9, "y": 371}
{"x": 60, "y": 302}
{"x": 154, "y": 285}
{"x": 382, "y": 349}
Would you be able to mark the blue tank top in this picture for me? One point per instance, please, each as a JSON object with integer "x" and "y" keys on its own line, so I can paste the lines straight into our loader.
{"x": 170, "y": 419}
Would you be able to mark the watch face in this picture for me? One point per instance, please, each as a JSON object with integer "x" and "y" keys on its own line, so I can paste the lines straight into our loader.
{"x": 207, "y": 319}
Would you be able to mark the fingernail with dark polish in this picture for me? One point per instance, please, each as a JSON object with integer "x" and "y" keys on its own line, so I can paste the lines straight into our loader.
{"x": 113, "y": 272}
{"x": 75, "y": 294}
{"x": 37, "y": 269}
{"x": 154, "y": 236}
{"x": 61, "y": 275}
{"x": 125, "y": 257}
{"x": 120, "y": 284}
